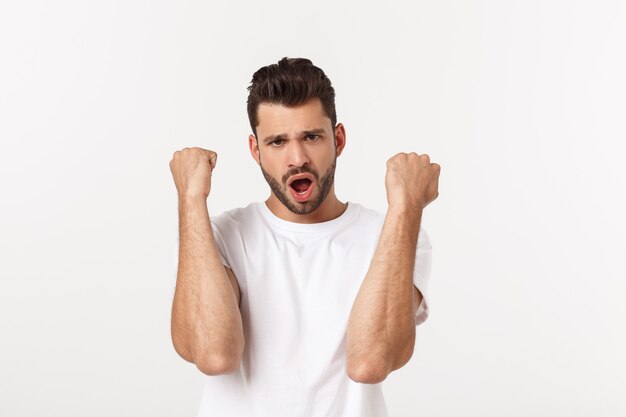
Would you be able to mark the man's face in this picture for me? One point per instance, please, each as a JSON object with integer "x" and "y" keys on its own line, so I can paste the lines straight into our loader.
{"x": 297, "y": 149}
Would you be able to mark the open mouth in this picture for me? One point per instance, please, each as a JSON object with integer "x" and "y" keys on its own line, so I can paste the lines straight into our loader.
{"x": 301, "y": 186}
{"x": 301, "y": 189}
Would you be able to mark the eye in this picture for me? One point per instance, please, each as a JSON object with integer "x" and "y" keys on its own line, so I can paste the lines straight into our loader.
{"x": 277, "y": 142}
{"x": 312, "y": 137}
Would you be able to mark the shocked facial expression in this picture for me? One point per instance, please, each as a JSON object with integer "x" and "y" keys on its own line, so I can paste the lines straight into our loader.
{"x": 297, "y": 148}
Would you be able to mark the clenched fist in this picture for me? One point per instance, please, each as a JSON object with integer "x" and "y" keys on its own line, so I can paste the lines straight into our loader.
{"x": 191, "y": 169}
{"x": 411, "y": 181}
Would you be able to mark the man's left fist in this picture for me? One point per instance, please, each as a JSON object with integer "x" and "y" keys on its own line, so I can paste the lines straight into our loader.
{"x": 411, "y": 181}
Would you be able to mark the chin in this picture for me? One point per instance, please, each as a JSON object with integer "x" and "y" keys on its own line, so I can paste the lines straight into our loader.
{"x": 307, "y": 207}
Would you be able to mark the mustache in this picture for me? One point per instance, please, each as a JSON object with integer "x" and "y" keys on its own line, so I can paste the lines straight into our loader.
{"x": 299, "y": 170}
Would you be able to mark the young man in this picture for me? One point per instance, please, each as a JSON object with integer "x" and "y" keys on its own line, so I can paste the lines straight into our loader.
{"x": 300, "y": 305}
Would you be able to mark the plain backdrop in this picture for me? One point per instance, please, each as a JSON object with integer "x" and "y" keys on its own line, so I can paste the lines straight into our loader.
{"x": 521, "y": 103}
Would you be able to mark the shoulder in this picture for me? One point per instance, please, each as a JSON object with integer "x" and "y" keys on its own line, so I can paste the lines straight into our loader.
{"x": 367, "y": 221}
{"x": 236, "y": 218}
{"x": 366, "y": 214}
{"x": 376, "y": 218}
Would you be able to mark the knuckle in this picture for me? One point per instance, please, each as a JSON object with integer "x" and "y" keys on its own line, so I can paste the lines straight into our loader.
{"x": 399, "y": 158}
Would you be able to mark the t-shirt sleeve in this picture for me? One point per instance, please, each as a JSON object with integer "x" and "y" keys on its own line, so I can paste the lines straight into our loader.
{"x": 221, "y": 247}
{"x": 421, "y": 273}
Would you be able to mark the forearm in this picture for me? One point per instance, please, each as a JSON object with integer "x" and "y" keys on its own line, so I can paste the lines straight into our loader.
{"x": 381, "y": 327}
{"x": 206, "y": 322}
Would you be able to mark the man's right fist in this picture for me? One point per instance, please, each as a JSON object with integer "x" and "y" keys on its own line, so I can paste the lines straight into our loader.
{"x": 191, "y": 169}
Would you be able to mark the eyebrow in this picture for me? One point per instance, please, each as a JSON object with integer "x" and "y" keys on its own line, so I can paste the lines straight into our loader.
{"x": 313, "y": 132}
{"x": 281, "y": 136}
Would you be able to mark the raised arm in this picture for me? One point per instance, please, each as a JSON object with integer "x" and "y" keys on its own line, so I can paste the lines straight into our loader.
{"x": 206, "y": 322}
{"x": 381, "y": 328}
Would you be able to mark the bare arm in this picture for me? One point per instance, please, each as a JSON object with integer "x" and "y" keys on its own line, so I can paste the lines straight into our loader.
{"x": 206, "y": 322}
{"x": 381, "y": 328}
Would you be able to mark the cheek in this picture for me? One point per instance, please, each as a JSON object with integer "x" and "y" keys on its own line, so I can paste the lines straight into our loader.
{"x": 271, "y": 165}
{"x": 328, "y": 156}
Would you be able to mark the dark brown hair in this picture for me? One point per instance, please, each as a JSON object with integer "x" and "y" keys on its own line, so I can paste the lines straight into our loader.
{"x": 291, "y": 82}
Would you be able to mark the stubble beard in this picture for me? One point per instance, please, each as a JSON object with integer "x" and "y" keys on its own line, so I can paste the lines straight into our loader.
{"x": 282, "y": 193}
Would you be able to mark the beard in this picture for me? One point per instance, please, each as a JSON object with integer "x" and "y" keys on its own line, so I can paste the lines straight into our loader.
{"x": 280, "y": 189}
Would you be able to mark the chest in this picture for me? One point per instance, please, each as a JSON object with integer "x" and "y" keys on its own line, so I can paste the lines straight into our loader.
{"x": 305, "y": 281}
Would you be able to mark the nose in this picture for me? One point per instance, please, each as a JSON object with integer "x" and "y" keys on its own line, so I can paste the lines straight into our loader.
{"x": 297, "y": 154}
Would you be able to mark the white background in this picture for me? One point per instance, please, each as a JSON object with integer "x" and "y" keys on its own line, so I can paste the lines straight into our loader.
{"x": 521, "y": 103}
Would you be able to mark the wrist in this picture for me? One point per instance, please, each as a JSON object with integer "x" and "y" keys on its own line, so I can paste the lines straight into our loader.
{"x": 403, "y": 221}
{"x": 191, "y": 200}
{"x": 406, "y": 209}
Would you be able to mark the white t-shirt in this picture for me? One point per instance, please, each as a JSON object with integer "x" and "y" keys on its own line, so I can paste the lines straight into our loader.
{"x": 298, "y": 283}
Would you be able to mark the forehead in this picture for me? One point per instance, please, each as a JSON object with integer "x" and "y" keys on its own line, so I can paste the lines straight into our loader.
{"x": 278, "y": 118}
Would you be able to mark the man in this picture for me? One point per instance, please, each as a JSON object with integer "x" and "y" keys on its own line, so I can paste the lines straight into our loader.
{"x": 303, "y": 304}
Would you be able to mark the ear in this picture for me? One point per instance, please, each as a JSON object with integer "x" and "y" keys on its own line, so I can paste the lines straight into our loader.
{"x": 340, "y": 138}
{"x": 254, "y": 148}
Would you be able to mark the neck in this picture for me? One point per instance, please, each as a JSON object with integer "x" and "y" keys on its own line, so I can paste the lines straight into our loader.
{"x": 330, "y": 209}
